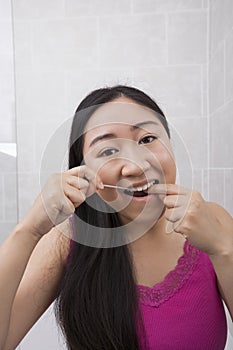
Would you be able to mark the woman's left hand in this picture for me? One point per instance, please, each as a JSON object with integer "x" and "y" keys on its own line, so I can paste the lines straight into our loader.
{"x": 207, "y": 226}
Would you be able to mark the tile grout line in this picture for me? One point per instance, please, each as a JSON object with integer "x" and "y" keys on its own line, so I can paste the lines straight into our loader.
{"x": 208, "y": 99}
{"x": 15, "y": 110}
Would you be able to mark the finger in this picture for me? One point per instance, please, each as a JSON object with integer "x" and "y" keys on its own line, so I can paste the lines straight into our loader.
{"x": 172, "y": 227}
{"x": 173, "y": 215}
{"x": 77, "y": 182}
{"x": 87, "y": 173}
{"x": 67, "y": 207}
{"x": 76, "y": 196}
{"x": 168, "y": 189}
{"x": 88, "y": 188}
{"x": 172, "y": 201}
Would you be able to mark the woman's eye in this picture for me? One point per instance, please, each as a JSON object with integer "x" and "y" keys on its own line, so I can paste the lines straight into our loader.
{"x": 147, "y": 139}
{"x": 108, "y": 152}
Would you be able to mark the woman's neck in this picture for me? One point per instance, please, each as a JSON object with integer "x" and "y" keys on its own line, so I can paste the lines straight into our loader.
{"x": 156, "y": 239}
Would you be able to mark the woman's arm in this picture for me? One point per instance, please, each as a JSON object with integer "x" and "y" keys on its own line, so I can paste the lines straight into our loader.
{"x": 14, "y": 255}
{"x": 27, "y": 289}
{"x": 60, "y": 196}
{"x": 223, "y": 260}
{"x": 207, "y": 226}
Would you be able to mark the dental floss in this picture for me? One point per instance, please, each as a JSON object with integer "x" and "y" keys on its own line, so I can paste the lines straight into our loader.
{"x": 112, "y": 186}
{"x": 124, "y": 188}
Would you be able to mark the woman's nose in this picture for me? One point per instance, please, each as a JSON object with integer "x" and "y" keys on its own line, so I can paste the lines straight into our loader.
{"x": 135, "y": 166}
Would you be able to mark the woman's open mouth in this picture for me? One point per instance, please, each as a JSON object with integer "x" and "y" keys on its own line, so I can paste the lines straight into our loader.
{"x": 140, "y": 191}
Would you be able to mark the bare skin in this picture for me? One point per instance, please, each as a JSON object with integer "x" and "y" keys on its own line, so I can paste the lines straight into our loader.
{"x": 33, "y": 257}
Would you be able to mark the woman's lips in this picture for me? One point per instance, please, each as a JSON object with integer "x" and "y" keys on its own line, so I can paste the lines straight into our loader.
{"x": 141, "y": 193}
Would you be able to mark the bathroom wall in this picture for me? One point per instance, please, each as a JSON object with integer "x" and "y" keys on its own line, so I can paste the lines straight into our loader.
{"x": 220, "y": 103}
{"x": 177, "y": 51}
{"x": 8, "y": 189}
{"x": 65, "y": 49}
{"x": 220, "y": 116}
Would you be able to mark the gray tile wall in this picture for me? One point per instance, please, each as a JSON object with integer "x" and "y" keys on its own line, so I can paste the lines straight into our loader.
{"x": 65, "y": 49}
{"x": 180, "y": 52}
{"x": 8, "y": 190}
{"x": 221, "y": 102}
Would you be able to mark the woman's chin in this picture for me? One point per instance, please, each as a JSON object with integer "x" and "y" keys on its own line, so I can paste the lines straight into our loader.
{"x": 147, "y": 216}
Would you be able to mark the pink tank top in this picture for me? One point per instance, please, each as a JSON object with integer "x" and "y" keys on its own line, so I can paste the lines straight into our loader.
{"x": 185, "y": 310}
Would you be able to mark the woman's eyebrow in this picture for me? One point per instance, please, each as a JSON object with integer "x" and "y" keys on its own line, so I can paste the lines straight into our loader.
{"x": 102, "y": 137}
{"x": 112, "y": 136}
{"x": 139, "y": 125}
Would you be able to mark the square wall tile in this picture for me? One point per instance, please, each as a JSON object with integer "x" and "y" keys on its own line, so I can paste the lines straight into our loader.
{"x": 191, "y": 135}
{"x": 92, "y": 79}
{"x": 65, "y": 44}
{"x": 132, "y": 41}
{"x": 229, "y": 67}
{"x": 7, "y": 131}
{"x": 216, "y": 80}
{"x": 11, "y": 197}
{"x": 6, "y": 63}
{"x": 165, "y": 5}
{"x": 6, "y": 228}
{"x": 40, "y": 96}
{"x": 7, "y": 97}
{"x": 216, "y": 186}
{"x": 187, "y": 37}
{"x": 228, "y": 15}
{"x": 191, "y": 178}
{"x": 6, "y": 36}
{"x": 26, "y": 146}
{"x": 206, "y": 186}
{"x": 75, "y": 8}
{"x": 7, "y": 163}
{"x": 221, "y": 21}
{"x": 23, "y": 45}
{"x": 51, "y": 147}
{"x": 216, "y": 24}
{"x": 205, "y": 3}
{"x": 5, "y": 10}
{"x": 33, "y": 9}
{"x": 28, "y": 189}
{"x": 228, "y": 190}
{"x": 221, "y": 140}
{"x": 176, "y": 89}
{"x": 204, "y": 77}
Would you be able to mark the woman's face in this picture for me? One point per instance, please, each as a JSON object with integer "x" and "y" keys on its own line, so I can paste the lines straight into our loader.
{"x": 127, "y": 145}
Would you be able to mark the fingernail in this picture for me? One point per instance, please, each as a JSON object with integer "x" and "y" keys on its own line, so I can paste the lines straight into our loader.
{"x": 101, "y": 185}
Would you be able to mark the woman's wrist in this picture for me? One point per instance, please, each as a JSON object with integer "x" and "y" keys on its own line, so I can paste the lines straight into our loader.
{"x": 224, "y": 232}
{"x": 24, "y": 227}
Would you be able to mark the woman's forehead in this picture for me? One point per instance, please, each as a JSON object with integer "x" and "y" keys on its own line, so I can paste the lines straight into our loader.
{"x": 113, "y": 113}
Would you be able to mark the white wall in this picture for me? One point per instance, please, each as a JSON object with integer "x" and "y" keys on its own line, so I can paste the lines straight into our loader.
{"x": 180, "y": 52}
{"x": 220, "y": 105}
{"x": 8, "y": 191}
{"x": 64, "y": 49}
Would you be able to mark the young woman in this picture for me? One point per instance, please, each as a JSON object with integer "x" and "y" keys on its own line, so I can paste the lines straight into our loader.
{"x": 149, "y": 261}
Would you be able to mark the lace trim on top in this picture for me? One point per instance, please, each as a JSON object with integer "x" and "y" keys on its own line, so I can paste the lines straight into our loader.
{"x": 174, "y": 280}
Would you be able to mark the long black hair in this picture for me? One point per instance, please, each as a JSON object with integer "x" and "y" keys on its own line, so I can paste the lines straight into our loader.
{"x": 97, "y": 307}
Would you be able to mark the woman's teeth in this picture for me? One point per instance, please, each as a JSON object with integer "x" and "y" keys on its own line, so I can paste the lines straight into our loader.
{"x": 132, "y": 190}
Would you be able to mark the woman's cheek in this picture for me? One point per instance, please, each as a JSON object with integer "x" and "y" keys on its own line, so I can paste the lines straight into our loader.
{"x": 108, "y": 175}
{"x": 167, "y": 166}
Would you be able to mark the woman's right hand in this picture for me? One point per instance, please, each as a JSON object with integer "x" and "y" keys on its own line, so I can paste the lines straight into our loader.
{"x": 60, "y": 196}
